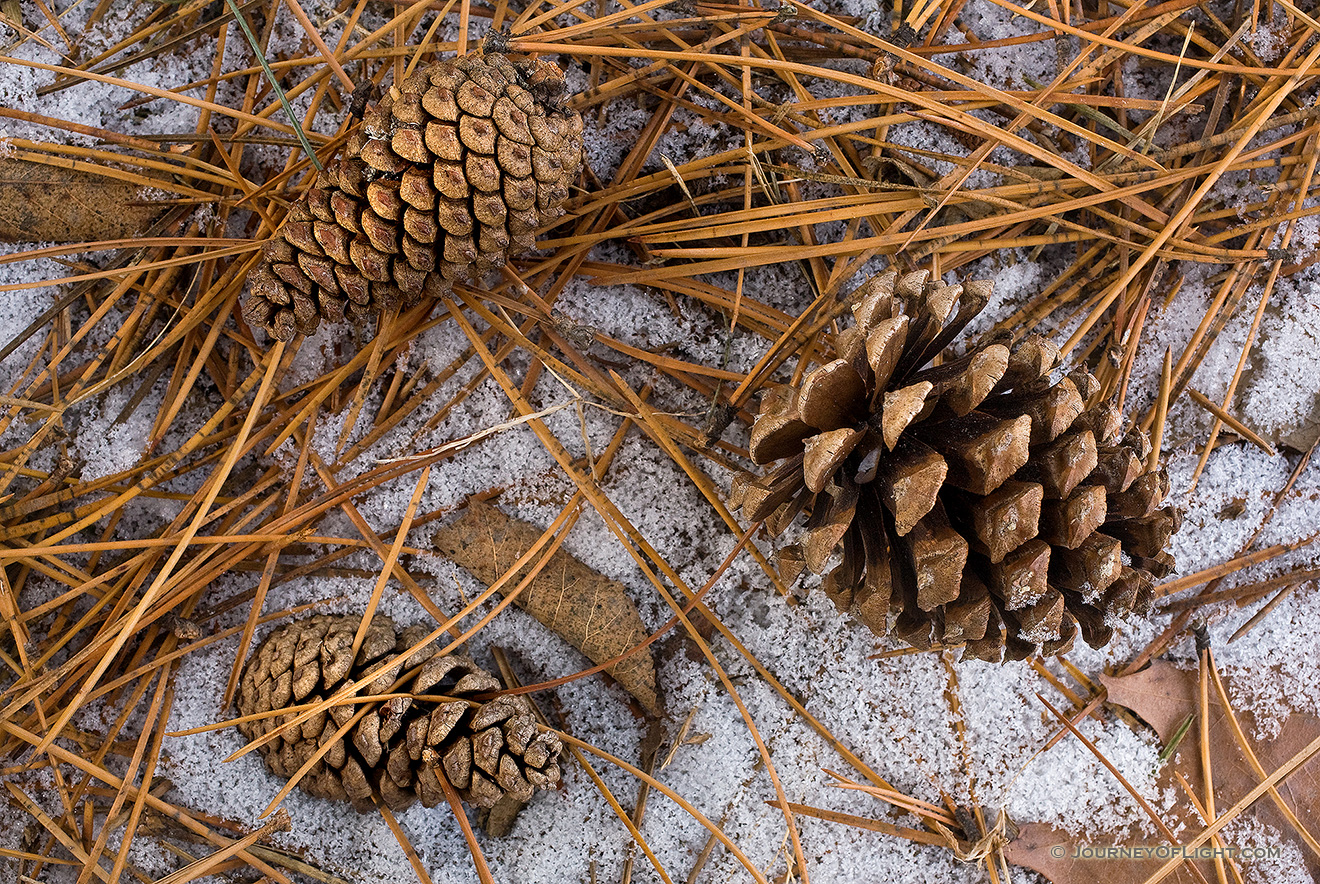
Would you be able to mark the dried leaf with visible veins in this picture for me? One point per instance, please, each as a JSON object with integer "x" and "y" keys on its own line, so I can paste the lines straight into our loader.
{"x": 591, "y": 612}
{"x": 53, "y": 204}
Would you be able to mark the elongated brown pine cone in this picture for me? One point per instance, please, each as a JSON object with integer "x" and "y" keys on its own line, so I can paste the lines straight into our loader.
{"x": 447, "y": 176}
{"x": 399, "y": 750}
{"x": 977, "y": 502}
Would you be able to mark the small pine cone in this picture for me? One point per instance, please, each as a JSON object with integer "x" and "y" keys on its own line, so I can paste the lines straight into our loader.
{"x": 402, "y": 747}
{"x": 449, "y": 175}
{"x": 976, "y": 502}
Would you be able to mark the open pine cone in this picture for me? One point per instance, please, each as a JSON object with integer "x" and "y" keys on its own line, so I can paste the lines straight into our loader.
{"x": 489, "y": 752}
{"x": 976, "y": 502}
{"x": 448, "y": 175}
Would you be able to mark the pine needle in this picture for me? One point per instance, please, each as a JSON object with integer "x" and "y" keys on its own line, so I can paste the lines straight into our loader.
{"x": 274, "y": 82}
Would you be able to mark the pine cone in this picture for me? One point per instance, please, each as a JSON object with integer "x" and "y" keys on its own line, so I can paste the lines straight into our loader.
{"x": 402, "y": 746}
{"x": 450, "y": 174}
{"x": 976, "y": 502}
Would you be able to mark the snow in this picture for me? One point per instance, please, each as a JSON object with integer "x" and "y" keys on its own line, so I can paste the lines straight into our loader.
{"x": 895, "y": 711}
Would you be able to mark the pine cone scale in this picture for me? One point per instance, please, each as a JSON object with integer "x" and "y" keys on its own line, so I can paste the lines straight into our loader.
{"x": 1070, "y": 521}
{"x": 1019, "y": 579}
{"x": 1005, "y": 518}
{"x": 939, "y": 555}
{"x": 901, "y": 407}
{"x": 910, "y": 483}
{"x": 982, "y": 451}
{"x": 830, "y": 396}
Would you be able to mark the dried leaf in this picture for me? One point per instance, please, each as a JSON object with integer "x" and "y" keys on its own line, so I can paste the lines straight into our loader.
{"x": 591, "y": 612}
{"x": 1163, "y": 696}
{"x": 47, "y": 203}
{"x": 1060, "y": 857}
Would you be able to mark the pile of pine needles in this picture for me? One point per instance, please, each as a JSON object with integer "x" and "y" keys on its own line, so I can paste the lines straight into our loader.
{"x": 815, "y": 172}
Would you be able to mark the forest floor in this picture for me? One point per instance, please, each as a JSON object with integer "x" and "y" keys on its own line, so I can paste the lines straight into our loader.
{"x": 1135, "y": 180}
